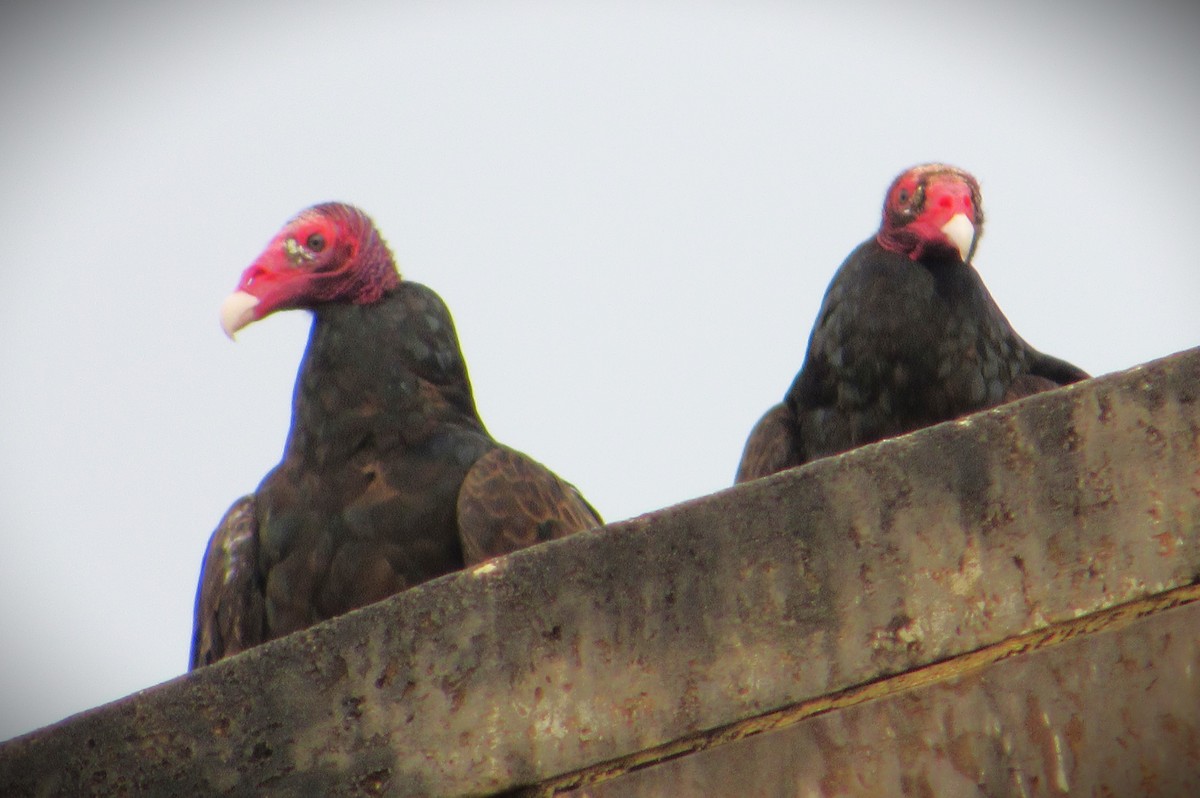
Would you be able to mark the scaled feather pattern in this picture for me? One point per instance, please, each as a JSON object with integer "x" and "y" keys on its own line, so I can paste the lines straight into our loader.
{"x": 907, "y": 335}
{"x": 388, "y": 478}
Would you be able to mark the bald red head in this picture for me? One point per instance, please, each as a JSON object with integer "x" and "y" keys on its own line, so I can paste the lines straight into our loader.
{"x": 327, "y": 253}
{"x": 932, "y": 210}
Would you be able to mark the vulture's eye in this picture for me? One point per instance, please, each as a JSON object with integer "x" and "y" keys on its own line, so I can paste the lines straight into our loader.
{"x": 315, "y": 242}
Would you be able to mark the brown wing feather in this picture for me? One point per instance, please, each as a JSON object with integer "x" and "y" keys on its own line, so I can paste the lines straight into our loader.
{"x": 770, "y": 447}
{"x": 229, "y": 600}
{"x": 1045, "y": 374}
{"x": 1027, "y": 385}
{"x": 509, "y": 501}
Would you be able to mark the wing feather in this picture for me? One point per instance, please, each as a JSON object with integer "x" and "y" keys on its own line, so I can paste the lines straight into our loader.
{"x": 509, "y": 501}
{"x": 1058, "y": 371}
{"x": 771, "y": 446}
{"x": 1046, "y": 373}
{"x": 229, "y": 600}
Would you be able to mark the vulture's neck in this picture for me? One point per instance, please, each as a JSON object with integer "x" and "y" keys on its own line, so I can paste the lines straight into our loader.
{"x": 379, "y": 376}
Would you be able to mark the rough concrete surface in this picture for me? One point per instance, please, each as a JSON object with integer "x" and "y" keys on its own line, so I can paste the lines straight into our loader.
{"x": 1109, "y": 714}
{"x": 586, "y": 650}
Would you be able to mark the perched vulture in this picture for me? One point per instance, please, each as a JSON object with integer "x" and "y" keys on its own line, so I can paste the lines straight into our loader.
{"x": 388, "y": 476}
{"x": 907, "y": 335}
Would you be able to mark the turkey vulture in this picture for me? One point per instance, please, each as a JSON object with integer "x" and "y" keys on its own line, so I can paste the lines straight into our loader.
{"x": 907, "y": 335}
{"x": 388, "y": 477}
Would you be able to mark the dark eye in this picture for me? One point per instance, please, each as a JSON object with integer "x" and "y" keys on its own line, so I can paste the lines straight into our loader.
{"x": 315, "y": 242}
{"x": 903, "y": 196}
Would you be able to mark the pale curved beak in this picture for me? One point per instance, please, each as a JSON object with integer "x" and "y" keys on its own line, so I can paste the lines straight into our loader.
{"x": 961, "y": 233}
{"x": 237, "y": 311}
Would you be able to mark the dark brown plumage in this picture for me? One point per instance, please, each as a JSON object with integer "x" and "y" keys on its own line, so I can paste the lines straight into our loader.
{"x": 388, "y": 477}
{"x": 907, "y": 335}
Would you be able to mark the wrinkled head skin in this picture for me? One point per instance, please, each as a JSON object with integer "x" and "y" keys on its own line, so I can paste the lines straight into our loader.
{"x": 327, "y": 253}
{"x": 932, "y": 211}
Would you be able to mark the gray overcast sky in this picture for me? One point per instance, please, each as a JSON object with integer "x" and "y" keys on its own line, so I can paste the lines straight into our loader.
{"x": 632, "y": 208}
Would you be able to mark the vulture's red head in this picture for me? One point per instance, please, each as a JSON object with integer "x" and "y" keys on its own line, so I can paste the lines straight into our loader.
{"x": 328, "y": 253}
{"x": 932, "y": 210}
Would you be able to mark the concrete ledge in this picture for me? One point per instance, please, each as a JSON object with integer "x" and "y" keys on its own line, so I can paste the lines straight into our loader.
{"x": 610, "y": 645}
{"x": 1103, "y": 714}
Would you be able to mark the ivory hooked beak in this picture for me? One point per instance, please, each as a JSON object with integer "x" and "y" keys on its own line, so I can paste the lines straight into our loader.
{"x": 961, "y": 233}
{"x": 237, "y": 311}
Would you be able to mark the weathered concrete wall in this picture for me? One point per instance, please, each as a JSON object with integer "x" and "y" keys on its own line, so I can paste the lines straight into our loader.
{"x": 1113, "y": 713}
{"x": 580, "y": 659}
